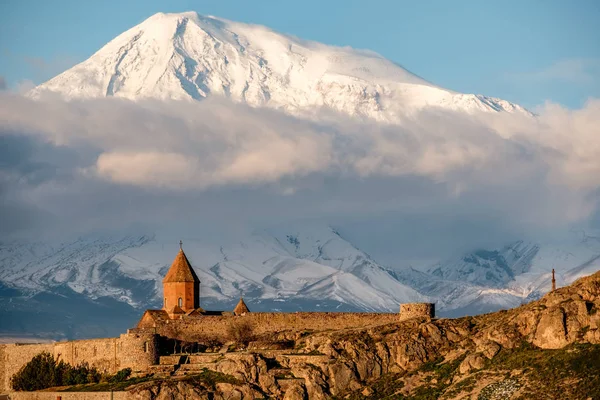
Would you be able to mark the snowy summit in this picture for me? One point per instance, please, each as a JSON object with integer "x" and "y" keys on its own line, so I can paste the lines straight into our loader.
{"x": 190, "y": 56}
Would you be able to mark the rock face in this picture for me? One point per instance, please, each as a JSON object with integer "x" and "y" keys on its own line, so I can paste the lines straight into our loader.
{"x": 471, "y": 362}
{"x": 341, "y": 362}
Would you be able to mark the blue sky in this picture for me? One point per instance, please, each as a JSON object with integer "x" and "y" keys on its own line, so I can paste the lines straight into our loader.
{"x": 528, "y": 51}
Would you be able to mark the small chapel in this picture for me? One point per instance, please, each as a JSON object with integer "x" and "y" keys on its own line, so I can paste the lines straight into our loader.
{"x": 181, "y": 292}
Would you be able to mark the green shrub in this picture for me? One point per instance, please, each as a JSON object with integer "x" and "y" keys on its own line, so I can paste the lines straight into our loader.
{"x": 43, "y": 371}
{"x": 39, "y": 373}
{"x": 120, "y": 376}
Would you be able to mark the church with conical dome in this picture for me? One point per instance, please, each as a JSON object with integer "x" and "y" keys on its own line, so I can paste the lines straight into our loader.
{"x": 181, "y": 286}
{"x": 181, "y": 295}
{"x": 182, "y": 315}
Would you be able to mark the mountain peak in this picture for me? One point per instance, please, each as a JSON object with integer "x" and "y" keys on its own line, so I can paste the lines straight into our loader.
{"x": 188, "y": 56}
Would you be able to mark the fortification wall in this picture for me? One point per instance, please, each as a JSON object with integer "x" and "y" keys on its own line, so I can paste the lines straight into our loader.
{"x": 100, "y": 353}
{"x": 17, "y": 355}
{"x": 138, "y": 350}
{"x": 207, "y": 325}
{"x": 411, "y": 310}
{"x": 2, "y": 366}
{"x": 135, "y": 351}
{"x": 70, "y": 396}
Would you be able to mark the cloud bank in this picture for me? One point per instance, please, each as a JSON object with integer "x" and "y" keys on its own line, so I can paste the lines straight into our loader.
{"x": 482, "y": 178}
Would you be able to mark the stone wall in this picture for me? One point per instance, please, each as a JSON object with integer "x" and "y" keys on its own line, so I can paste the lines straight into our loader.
{"x": 411, "y": 310}
{"x": 135, "y": 351}
{"x": 206, "y": 325}
{"x": 70, "y": 396}
{"x": 100, "y": 353}
{"x": 138, "y": 350}
{"x": 17, "y": 355}
{"x": 2, "y": 367}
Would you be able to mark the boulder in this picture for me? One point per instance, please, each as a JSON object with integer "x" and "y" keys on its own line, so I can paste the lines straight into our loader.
{"x": 471, "y": 362}
{"x": 551, "y": 331}
{"x": 295, "y": 392}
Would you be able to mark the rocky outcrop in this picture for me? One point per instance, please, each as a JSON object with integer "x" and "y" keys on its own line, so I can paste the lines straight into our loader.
{"x": 471, "y": 362}
{"x": 338, "y": 362}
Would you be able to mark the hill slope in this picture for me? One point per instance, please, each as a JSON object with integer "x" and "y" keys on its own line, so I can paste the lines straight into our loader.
{"x": 549, "y": 348}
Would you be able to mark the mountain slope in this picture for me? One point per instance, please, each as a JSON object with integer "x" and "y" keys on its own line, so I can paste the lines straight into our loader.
{"x": 190, "y": 56}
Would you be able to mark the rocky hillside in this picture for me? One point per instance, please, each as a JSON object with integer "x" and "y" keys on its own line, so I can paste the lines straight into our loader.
{"x": 549, "y": 348}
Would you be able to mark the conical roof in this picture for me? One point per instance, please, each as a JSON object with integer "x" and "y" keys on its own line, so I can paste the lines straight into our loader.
{"x": 241, "y": 308}
{"x": 181, "y": 270}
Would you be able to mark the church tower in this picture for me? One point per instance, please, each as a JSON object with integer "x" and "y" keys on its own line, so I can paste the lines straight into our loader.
{"x": 181, "y": 286}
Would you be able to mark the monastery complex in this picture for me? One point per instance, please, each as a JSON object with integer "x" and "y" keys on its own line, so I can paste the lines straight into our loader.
{"x": 182, "y": 335}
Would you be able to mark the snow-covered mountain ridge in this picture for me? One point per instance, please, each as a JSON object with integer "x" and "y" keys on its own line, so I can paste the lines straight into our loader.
{"x": 312, "y": 264}
{"x": 190, "y": 56}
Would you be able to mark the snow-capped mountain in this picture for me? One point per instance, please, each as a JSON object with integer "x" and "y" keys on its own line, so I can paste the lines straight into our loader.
{"x": 190, "y": 56}
{"x": 489, "y": 268}
{"x": 303, "y": 267}
{"x": 315, "y": 264}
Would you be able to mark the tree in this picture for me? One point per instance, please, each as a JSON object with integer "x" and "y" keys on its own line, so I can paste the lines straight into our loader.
{"x": 43, "y": 371}
{"x": 39, "y": 373}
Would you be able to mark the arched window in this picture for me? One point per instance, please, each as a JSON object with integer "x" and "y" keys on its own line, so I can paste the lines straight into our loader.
{"x": 165, "y": 302}
{"x": 146, "y": 347}
{"x": 180, "y": 302}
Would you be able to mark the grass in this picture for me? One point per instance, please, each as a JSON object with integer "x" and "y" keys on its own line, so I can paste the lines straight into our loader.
{"x": 439, "y": 377}
{"x": 466, "y": 385}
{"x": 211, "y": 378}
{"x": 385, "y": 387}
{"x": 442, "y": 373}
{"x": 572, "y": 372}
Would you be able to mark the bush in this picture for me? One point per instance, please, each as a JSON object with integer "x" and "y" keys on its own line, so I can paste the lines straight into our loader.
{"x": 240, "y": 332}
{"x": 120, "y": 376}
{"x": 39, "y": 373}
{"x": 43, "y": 371}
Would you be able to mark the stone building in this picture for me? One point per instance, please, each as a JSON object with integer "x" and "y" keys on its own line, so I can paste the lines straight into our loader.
{"x": 181, "y": 287}
{"x": 182, "y": 320}
{"x": 412, "y": 310}
{"x": 241, "y": 308}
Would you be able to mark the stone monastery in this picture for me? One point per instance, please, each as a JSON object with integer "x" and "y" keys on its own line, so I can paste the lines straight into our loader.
{"x": 152, "y": 346}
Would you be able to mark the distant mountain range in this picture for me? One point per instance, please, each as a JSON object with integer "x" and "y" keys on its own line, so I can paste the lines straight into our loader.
{"x": 307, "y": 268}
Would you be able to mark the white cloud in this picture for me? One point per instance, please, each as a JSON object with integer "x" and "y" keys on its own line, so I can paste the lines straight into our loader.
{"x": 213, "y": 163}
{"x": 24, "y": 86}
